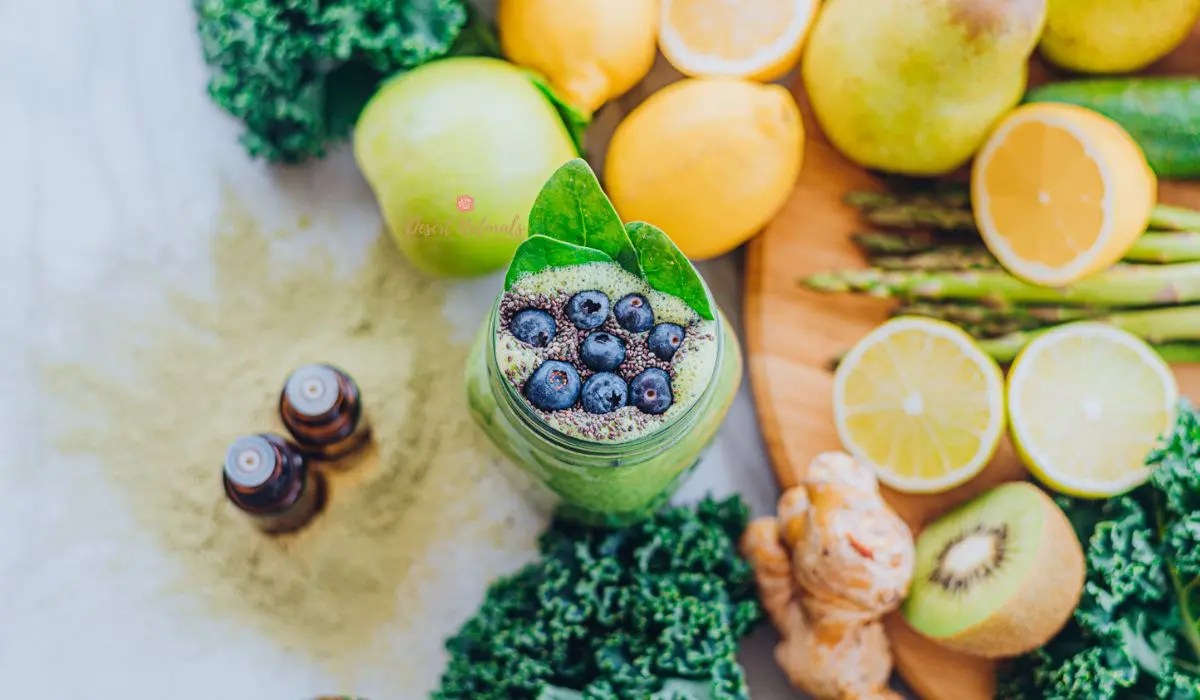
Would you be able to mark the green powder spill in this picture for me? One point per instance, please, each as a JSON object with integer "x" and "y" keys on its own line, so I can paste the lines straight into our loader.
{"x": 212, "y": 369}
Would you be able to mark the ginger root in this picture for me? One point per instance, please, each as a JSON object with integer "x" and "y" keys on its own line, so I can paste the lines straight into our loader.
{"x": 833, "y": 561}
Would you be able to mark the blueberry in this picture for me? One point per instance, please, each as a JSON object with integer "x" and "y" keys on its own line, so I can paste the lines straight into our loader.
{"x": 604, "y": 392}
{"x": 664, "y": 340}
{"x": 634, "y": 314}
{"x": 533, "y": 327}
{"x": 602, "y": 351}
{"x": 554, "y": 386}
{"x": 650, "y": 391}
{"x": 588, "y": 309}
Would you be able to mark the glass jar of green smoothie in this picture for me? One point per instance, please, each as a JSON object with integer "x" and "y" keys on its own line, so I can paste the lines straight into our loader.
{"x": 601, "y": 389}
{"x": 604, "y": 368}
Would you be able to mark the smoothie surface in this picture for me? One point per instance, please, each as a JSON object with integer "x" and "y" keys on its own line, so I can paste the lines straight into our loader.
{"x": 690, "y": 369}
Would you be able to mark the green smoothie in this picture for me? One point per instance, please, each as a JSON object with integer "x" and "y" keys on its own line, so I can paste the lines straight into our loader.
{"x": 604, "y": 368}
{"x": 686, "y": 348}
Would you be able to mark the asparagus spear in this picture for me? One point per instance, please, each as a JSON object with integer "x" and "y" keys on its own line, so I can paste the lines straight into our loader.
{"x": 962, "y": 257}
{"x": 897, "y": 243}
{"x": 1129, "y": 285}
{"x": 944, "y": 213}
{"x": 954, "y": 197}
{"x": 1165, "y": 247}
{"x": 986, "y": 321}
{"x": 1005, "y": 349}
{"x": 1160, "y": 327}
{"x": 1005, "y": 352}
{"x": 1172, "y": 218}
{"x": 927, "y": 250}
{"x": 921, "y": 215}
{"x": 992, "y": 328}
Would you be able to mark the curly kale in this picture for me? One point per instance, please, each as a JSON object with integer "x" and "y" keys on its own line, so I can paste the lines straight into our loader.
{"x": 1136, "y": 631}
{"x": 297, "y": 73}
{"x": 654, "y": 611}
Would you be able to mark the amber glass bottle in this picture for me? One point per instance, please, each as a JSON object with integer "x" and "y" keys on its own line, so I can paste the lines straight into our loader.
{"x": 269, "y": 480}
{"x": 321, "y": 407}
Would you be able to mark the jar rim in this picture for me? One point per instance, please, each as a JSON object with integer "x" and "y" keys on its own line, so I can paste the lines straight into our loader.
{"x": 663, "y": 437}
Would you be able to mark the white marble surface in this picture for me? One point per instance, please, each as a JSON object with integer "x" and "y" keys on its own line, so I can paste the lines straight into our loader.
{"x": 113, "y": 161}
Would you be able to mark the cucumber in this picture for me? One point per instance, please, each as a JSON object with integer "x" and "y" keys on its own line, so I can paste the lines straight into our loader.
{"x": 1162, "y": 115}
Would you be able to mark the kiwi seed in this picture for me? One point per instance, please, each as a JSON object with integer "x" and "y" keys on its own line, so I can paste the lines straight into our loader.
{"x": 953, "y": 580}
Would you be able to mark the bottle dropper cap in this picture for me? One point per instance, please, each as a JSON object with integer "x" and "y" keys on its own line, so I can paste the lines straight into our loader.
{"x": 312, "y": 390}
{"x": 250, "y": 461}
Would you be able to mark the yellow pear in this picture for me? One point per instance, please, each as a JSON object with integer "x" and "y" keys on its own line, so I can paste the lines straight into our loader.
{"x": 1115, "y": 36}
{"x": 914, "y": 86}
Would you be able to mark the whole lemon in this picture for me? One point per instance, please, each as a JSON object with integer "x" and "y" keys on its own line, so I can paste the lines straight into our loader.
{"x": 708, "y": 160}
{"x": 455, "y": 152}
{"x": 591, "y": 51}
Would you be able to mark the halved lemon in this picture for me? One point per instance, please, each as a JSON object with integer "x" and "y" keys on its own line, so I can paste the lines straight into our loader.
{"x": 717, "y": 38}
{"x": 1060, "y": 192}
{"x": 1086, "y": 404}
{"x": 919, "y": 401}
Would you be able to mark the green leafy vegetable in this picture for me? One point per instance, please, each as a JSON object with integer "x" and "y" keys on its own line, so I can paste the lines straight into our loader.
{"x": 537, "y": 253}
{"x": 297, "y": 73}
{"x": 576, "y": 122}
{"x": 654, "y": 611}
{"x": 1136, "y": 632}
{"x": 480, "y": 36}
{"x": 571, "y": 207}
{"x": 673, "y": 689}
{"x": 667, "y": 269}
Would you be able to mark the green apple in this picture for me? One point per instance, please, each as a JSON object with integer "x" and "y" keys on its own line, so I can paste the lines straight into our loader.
{"x": 455, "y": 152}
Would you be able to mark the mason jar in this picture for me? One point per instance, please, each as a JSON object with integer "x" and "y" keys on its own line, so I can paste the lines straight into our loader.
{"x": 597, "y": 483}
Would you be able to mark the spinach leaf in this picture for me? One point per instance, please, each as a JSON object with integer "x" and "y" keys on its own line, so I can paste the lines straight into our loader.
{"x": 667, "y": 269}
{"x": 576, "y": 121}
{"x": 537, "y": 253}
{"x": 571, "y": 207}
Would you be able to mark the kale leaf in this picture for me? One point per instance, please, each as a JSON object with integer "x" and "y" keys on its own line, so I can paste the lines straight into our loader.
{"x": 297, "y": 73}
{"x": 1135, "y": 634}
{"x": 654, "y": 610}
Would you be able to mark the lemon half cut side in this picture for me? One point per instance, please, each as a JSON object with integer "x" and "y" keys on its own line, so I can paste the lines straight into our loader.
{"x": 1087, "y": 403}
{"x": 921, "y": 402}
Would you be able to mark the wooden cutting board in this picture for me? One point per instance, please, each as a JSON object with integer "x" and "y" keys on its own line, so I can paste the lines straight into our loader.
{"x": 792, "y": 333}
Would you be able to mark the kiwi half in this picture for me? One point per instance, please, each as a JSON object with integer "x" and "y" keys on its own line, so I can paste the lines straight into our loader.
{"x": 998, "y": 576}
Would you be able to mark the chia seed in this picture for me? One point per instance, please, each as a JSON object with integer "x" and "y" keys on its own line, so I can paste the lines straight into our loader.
{"x": 565, "y": 347}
